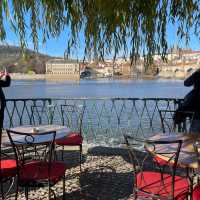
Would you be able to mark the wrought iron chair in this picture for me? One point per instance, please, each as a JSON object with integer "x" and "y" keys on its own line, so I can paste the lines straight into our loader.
{"x": 149, "y": 182}
{"x": 8, "y": 172}
{"x": 37, "y": 169}
{"x": 196, "y": 190}
{"x": 42, "y": 113}
{"x": 72, "y": 116}
{"x": 196, "y": 193}
{"x": 169, "y": 124}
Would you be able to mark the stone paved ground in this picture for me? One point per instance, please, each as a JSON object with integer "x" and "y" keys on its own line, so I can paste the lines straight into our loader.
{"x": 106, "y": 175}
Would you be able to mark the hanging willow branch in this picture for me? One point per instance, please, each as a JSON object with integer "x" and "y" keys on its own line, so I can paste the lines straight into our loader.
{"x": 109, "y": 26}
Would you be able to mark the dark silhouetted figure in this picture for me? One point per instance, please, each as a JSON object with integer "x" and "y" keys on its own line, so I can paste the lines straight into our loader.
{"x": 191, "y": 102}
{"x": 3, "y": 83}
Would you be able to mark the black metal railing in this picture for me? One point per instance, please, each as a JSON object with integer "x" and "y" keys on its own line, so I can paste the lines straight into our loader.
{"x": 104, "y": 121}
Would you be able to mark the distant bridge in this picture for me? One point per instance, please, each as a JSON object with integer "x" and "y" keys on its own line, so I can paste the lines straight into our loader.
{"x": 177, "y": 71}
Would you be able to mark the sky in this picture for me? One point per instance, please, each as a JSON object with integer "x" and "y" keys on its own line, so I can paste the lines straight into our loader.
{"x": 53, "y": 46}
{"x": 172, "y": 39}
{"x": 57, "y": 46}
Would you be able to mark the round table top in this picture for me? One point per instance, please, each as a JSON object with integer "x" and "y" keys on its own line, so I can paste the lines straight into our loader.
{"x": 175, "y": 136}
{"x": 38, "y": 134}
{"x": 187, "y": 156}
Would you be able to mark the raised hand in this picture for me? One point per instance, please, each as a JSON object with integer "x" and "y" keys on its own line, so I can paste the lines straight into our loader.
{"x": 6, "y": 73}
{"x": 2, "y": 73}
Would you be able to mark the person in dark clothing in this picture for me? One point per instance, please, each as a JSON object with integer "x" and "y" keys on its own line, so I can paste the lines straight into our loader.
{"x": 194, "y": 79}
{"x": 4, "y": 82}
{"x": 191, "y": 103}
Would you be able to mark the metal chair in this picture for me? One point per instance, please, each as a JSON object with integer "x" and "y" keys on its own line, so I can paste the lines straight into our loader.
{"x": 196, "y": 190}
{"x": 150, "y": 183}
{"x": 173, "y": 121}
{"x": 36, "y": 169}
{"x": 169, "y": 124}
{"x": 72, "y": 116}
{"x": 42, "y": 113}
{"x": 196, "y": 193}
{"x": 8, "y": 172}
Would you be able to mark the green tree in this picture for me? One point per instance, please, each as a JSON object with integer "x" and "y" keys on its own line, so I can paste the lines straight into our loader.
{"x": 134, "y": 26}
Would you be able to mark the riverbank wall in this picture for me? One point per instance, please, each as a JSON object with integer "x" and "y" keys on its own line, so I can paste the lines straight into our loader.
{"x": 172, "y": 75}
{"x": 19, "y": 76}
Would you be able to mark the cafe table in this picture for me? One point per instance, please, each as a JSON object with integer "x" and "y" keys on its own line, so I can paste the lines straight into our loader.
{"x": 30, "y": 140}
{"x": 36, "y": 133}
{"x": 187, "y": 156}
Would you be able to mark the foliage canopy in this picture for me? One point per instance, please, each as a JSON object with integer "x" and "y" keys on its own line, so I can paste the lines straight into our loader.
{"x": 108, "y": 26}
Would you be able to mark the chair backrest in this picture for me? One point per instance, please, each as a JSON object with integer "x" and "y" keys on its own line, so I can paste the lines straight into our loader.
{"x": 27, "y": 147}
{"x": 42, "y": 114}
{"x": 72, "y": 116}
{"x": 142, "y": 153}
{"x": 169, "y": 124}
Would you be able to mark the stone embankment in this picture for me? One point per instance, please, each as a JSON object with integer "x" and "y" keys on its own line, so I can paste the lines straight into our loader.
{"x": 164, "y": 75}
{"x": 20, "y": 76}
{"x": 177, "y": 71}
{"x": 172, "y": 75}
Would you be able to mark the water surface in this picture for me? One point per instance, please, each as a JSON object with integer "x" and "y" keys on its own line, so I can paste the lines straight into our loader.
{"x": 97, "y": 88}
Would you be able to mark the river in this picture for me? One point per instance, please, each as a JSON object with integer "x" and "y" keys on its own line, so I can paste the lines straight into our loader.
{"x": 97, "y": 88}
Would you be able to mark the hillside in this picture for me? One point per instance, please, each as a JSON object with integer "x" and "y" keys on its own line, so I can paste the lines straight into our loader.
{"x": 12, "y": 59}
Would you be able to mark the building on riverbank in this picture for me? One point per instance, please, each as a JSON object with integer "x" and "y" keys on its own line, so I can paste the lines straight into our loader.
{"x": 180, "y": 63}
{"x": 62, "y": 69}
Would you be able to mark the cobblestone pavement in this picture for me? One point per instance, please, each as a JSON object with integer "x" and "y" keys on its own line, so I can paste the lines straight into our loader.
{"x": 106, "y": 175}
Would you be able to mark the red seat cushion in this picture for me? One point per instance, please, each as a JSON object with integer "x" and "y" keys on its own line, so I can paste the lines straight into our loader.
{"x": 72, "y": 139}
{"x": 37, "y": 172}
{"x": 161, "y": 162}
{"x": 8, "y": 168}
{"x": 151, "y": 182}
{"x": 196, "y": 193}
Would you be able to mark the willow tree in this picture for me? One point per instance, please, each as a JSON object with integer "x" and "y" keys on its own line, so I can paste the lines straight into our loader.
{"x": 109, "y": 26}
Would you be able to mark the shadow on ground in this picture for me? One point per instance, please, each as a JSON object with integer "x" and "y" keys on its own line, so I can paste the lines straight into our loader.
{"x": 102, "y": 183}
{"x": 107, "y": 151}
{"x": 114, "y": 151}
{"x": 104, "y": 175}
{"x": 71, "y": 157}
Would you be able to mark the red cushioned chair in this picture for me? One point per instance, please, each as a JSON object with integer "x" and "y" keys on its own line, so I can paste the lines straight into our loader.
{"x": 72, "y": 116}
{"x": 196, "y": 193}
{"x": 8, "y": 171}
{"x": 8, "y": 168}
{"x": 148, "y": 181}
{"x": 169, "y": 126}
{"x": 37, "y": 168}
{"x": 196, "y": 190}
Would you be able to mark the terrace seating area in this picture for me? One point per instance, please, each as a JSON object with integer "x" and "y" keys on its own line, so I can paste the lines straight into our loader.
{"x": 103, "y": 170}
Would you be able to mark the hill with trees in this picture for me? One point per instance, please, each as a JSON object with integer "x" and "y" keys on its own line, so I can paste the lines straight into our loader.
{"x": 14, "y": 61}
